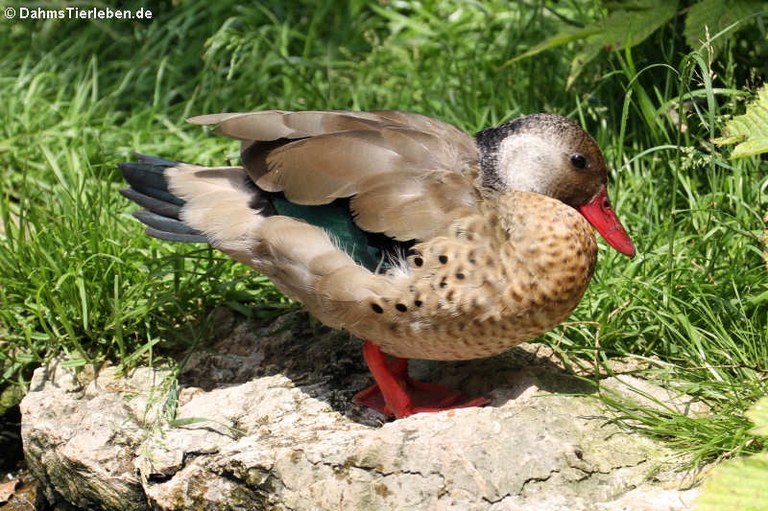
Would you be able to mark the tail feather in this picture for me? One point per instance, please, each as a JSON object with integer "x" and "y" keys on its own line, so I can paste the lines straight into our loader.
{"x": 149, "y": 179}
{"x": 168, "y": 229}
{"x": 162, "y": 209}
{"x": 156, "y": 160}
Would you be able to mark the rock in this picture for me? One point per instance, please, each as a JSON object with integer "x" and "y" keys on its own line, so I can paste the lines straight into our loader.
{"x": 85, "y": 448}
{"x": 264, "y": 421}
{"x": 651, "y": 396}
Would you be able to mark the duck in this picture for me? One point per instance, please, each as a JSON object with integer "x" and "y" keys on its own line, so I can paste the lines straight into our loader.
{"x": 411, "y": 234}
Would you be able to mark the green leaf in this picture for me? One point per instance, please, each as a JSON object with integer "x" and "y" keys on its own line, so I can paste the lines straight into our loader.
{"x": 758, "y": 414}
{"x": 749, "y": 131}
{"x": 630, "y": 25}
{"x": 565, "y": 36}
{"x": 10, "y": 397}
{"x": 739, "y": 485}
{"x": 709, "y": 17}
{"x": 187, "y": 421}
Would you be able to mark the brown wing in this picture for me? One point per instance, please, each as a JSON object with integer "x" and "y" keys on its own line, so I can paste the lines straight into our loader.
{"x": 409, "y": 175}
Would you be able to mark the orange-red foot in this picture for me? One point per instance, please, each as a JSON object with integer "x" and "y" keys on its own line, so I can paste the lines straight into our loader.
{"x": 397, "y": 394}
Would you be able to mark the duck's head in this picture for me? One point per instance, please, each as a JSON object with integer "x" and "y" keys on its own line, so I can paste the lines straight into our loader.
{"x": 551, "y": 155}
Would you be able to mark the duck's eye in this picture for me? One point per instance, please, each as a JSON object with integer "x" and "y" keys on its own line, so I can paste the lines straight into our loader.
{"x": 579, "y": 161}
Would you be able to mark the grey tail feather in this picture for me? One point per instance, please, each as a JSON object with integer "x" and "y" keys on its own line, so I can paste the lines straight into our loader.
{"x": 162, "y": 209}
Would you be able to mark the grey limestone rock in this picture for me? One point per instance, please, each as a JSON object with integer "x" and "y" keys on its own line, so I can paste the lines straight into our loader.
{"x": 264, "y": 421}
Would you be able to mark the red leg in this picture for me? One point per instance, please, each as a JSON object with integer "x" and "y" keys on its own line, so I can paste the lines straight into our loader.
{"x": 395, "y": 393}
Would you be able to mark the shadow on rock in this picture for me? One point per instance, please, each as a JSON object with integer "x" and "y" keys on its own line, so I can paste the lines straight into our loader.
{"x": 328, "y": 364}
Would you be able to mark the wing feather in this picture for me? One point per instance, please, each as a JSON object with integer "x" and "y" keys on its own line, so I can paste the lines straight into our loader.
{"x": 408, "y": 206}
{"x": 409, "y": 175}
{"x": 323, "y": 168}
{"x": 276, "y": 124}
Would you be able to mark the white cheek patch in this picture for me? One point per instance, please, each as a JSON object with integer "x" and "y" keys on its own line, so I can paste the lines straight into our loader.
{"x": 526, "y": 163}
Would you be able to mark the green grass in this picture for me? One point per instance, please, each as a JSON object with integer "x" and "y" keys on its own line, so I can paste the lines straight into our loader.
{"x": 78, "y": 277}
